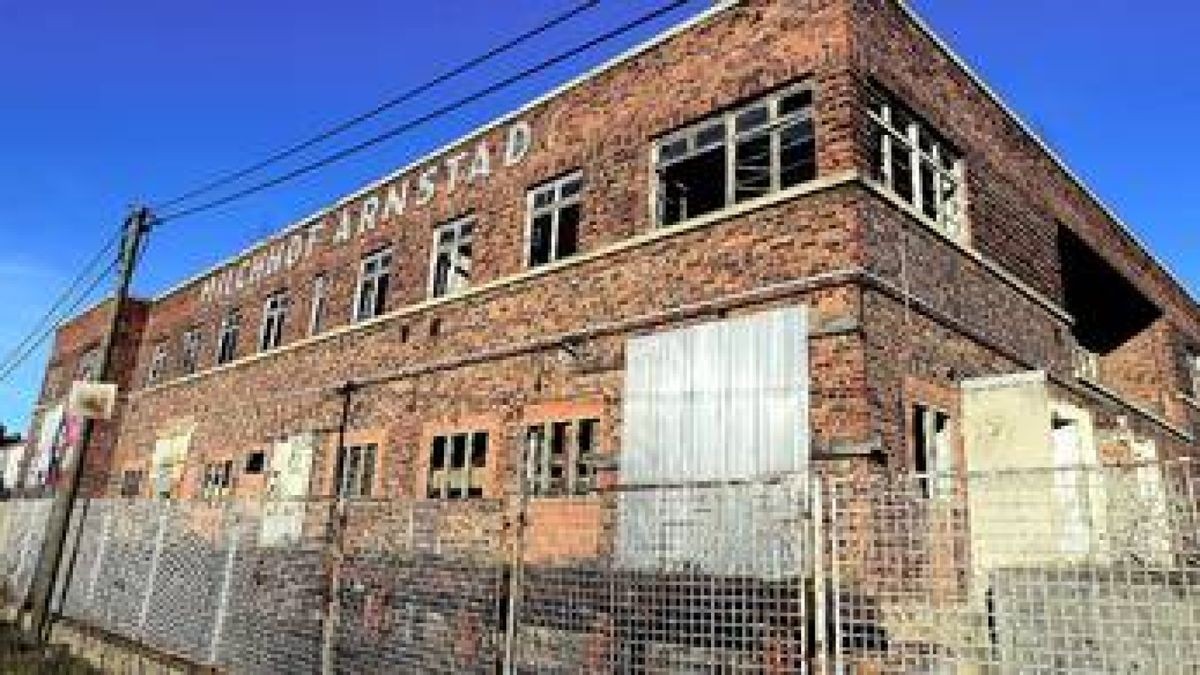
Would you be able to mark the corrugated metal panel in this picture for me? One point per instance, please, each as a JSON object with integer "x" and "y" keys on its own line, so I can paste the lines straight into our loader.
{"x": 721, "y": 401}
{"x": 725, "y": 401}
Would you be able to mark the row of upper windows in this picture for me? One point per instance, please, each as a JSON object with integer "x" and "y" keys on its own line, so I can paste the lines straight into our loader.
{"x": 755, "y": 150}
{"x": 710, "y": 165}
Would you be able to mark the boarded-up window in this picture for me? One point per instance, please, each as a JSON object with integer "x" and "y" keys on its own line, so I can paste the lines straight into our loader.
{"x": 720, "y": 402}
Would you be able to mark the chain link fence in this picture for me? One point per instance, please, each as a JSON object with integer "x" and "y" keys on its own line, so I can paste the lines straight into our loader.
{"x": 1090, "y": 570}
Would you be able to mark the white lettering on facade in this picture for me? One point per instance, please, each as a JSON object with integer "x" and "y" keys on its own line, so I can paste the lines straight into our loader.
{"x": 471, "y": 166}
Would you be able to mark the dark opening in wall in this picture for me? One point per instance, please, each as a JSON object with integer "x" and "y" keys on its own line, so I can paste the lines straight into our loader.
{"x": 1108, "y": 309}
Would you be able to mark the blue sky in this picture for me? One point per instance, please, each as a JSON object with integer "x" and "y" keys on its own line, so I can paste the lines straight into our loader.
{"x": 103, "y": 104}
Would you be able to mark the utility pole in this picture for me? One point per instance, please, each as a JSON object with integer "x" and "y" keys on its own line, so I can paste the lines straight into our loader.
{"x": 137, "y": 225}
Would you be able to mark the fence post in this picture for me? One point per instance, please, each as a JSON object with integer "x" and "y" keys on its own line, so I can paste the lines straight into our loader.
{"x": 516, "y": 570}
{"x": 226, "y": 581}
{"x": 817, "y": 552}
{"x": 154, "y": 560}
{"x": 97, "y": 564}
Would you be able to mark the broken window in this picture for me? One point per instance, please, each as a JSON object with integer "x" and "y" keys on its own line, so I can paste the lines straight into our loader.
{"x": 158, "y": 363}
{"x": 933, "y": 454}
{"x": 357, "y": 471}
{"x": 373, "y": 279}
{"x": 450, "y": 268}
{"x": 457, "y": 464}
{"x": 274, "y": 316}
{"x": 745, "y": 154}
{"x": 916, "y": 164}
{"x": 553, "y": 222}
{"x": 228, "y": 337}
{"x": 256, "y": 462}
{"x": 217, "y": 479}
{"x": 189, "y": 353}
{"x": 131, "y": 483}
{"x": 559, "y": 457}
{"x": 320, "y": 293}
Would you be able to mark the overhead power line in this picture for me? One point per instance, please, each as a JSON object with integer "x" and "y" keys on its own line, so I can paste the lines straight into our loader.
{"x": 63, "y": 298}
{"x": 12, "y": 365}
{"x": 404, "y": 97}
{"x": 428, "y": 117}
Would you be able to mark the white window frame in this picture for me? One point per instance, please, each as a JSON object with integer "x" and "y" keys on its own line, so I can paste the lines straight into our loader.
{"x": 158, "y": 363}
{"x": 946, "y": 165}
{"x": 937, "y": 481}
{"x": 231, "y": 327}
{"x": 369, "y": 282}
{"x": 776, "y": 123}
{"x": 320, "y": 298}
{"x": 189, "y": 354}
{"x": 454, "y": 283}
{"x": 274, "y": 319}
{"x": 539, "y": 457}
{"x": 554, "y": 208}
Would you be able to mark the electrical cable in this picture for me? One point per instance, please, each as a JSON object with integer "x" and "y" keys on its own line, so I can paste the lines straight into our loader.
{"x": 428, "y": 117}
{"x": 404, "y": 97}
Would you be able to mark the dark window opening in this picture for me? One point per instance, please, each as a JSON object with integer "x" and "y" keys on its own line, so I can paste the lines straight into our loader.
{"x": 559, "y": 457}
{"x": 457, "y": 466}
{"x": 694, "y": 186}
{"x": 256, "y": 462}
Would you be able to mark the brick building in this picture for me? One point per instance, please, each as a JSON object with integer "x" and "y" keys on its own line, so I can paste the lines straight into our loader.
{"x": 828, "y": 244}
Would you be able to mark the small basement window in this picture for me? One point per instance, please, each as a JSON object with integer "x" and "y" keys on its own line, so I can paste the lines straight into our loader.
{"x": 256, "y": 463}
{"x": 456, "y": 466}
{"x": 750, "y": 152}
{"x": 558, "y": 458}
{"x": 916, "y": 164}
{"x": 933, "y": 453}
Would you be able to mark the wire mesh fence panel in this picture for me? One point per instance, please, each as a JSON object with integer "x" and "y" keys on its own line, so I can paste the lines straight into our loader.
{"x": 421, "y": 588}
{"x": 22, "y": 529}
{"x": 665, "y": 580}
{"x": 1082, "y": 570}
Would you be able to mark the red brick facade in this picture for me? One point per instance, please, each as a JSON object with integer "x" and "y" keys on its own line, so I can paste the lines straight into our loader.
{"x": 899, "y": 312}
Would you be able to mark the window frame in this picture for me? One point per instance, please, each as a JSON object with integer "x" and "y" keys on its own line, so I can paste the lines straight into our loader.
{"x": 274, "y": 321}
{"x": 441, "y": 482}
{"x": 228, "y": 332}
{"x": 558, "y": 203}
{"x": 364, "y": 474}
{"x": 950, "y": 210}
{"x": 319, "y": 300}
{"x": 775, "y": 125}
{"x": 933, "y": 480}
{"x": 383, "y": 273}
{"x": 189, "y": 350}
{"x": 538, "y": 461}
{"x": 217, "y": 481}
{"x": 1193, "y": 366}
{"x": 158, "y": 363}
{"x": 455, "y": 228}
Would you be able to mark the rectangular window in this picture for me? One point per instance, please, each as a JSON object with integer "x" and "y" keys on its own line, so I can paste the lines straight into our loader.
{"x": 189, "y": 353}
{"x": 357, "y": 471}
{"x": 912, "y": 161}
{"x": 256, "y": 463}
{"x": 274, "y": 317}
{"x": 552, "y": 227}
{"x": 217, "y": 480}
{"x": 933, "y": 454}
{"x": 88, "y": 368}
{"x": 457, "y": 464}
{"x": 373, "y": 279}
{"x": 228, "y": 337}
{"x": 320, "y": 297}
{"x": 559, "y": 457}
{"x": 158, "y": 364}
{"x": 750, "y": 152}
{"x": 450, "y": 265}
{"x": 131, "y": 483}
{"x": 1194, "y": 371}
